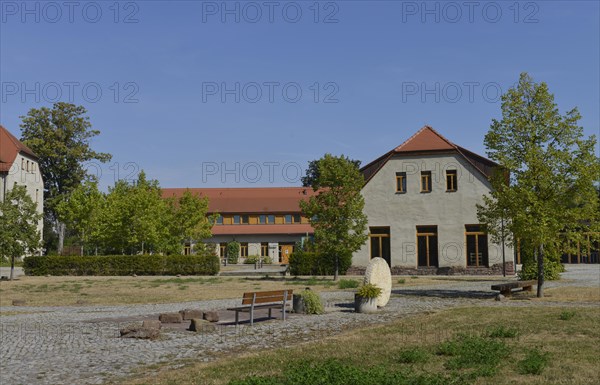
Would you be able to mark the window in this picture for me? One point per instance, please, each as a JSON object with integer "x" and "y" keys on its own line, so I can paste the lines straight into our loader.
{"x": 451, "y": 180}
{"x": 245, "y": 219}
{"x": 271, "y": 219}
{"x": 427, "y": 246}
{"x": 401, "y": 182}
{"x": 219, "y": 220}
{"x": 244, "y": 249}
{"x": 222, "y": 249}
{"x": 187, "y": 249}
{"x": 379, "y": 238}
{"x": 264, "y": 249}
{"x": 288, "y": 218}
{"x": 23, "y": 164}
{"x": 297, "y": 218}
{"x": 425, "y": 181}
{"x": 262, "y": 219}
{"x": 27, "y": 166}
{"x": 37, "y": 195}
{"x": 477, "y": 246}
{"x": 236, "y": 219}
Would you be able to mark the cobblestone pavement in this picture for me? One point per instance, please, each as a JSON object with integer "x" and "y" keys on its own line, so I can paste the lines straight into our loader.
{"x": 80, "y": 345}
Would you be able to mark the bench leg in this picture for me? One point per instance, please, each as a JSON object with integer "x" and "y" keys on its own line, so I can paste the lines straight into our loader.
{"x": 270, "y": 313}
{"x": 527, "y": 288}
{"x": 237, "y": 317}
{"x": 506, "y": 292}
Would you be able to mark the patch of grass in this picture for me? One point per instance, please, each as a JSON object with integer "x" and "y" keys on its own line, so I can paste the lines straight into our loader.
{"x": 402, "y": 281}
{"x": 566, "y": 315}
{"x": 414, "y": 277}
{"x": 502, "y": 331}
{"x": 474, "y": 352}
{"x": 533, "y": 363}
{"x": 413, "y": 356}
{"x": 348, "y": 284}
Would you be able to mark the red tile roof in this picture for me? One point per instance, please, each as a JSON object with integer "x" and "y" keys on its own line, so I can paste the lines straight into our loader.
{"x": 428, "y": 140}
{"x": 248, "y": 200}
{"x": 290, "y": 229}
{"x": 9, "y": 148}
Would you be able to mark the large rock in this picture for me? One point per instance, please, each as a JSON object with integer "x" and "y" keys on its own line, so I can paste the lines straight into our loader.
{"x": 211, "y": 316}
{"x": 188, "y": 314}
{"x": 200, "y": 325}
{"x": 152, "y": 324}
{"x": 378, "y": 273}
{"x": 140, "y": 332}
{"x": 170, "y": 318}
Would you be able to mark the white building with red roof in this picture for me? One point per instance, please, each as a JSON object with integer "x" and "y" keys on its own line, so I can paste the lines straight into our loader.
{"x": 19, "y": 166}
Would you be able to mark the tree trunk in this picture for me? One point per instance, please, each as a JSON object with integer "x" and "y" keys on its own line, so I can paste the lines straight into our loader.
{"x": 60, "y": 227}
{"x": 337, "y": 268}
{"x": 540, "y": 288}
{"x": 12, "y": 267}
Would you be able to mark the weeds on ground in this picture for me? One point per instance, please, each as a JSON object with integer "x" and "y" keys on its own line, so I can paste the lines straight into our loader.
{"x": 533, "y": 363}
{"x": 348, "y": 284}
{"x": 566, "y": 315}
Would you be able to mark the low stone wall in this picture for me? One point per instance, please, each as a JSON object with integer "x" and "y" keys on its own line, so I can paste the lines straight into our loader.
{"x": 454, "y": 270}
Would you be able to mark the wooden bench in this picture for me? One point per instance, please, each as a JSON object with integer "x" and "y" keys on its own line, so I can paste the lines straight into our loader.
{"x": 506, "y": 288}
{"x": 278, "y": 299}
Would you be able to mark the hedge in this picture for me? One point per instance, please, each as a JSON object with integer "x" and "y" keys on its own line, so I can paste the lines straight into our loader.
{"x": 311, "y": 263}
{"x": 115, "y": 265}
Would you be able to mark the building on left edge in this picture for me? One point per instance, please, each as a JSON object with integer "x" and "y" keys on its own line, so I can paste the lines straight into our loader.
{"x": 20, "y": 166}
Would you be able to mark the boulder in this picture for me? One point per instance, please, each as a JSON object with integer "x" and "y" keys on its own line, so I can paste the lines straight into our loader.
{"x": 188, "y": 314}
{"x": 152, "y": 324}
{"x": 200, "y": 325}
{"x": 500, "y": 297}
{"x": 170, "y": 318}
{"x": 19, "y": 302}
{"x": 211, "y": 316}
{"x": 140, "y": 332}
{"x": 378, "y": 273}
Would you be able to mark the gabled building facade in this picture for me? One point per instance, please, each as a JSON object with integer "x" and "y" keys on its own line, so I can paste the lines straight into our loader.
{"x": 420, "y": 200}
{"x": 19, "y": 166}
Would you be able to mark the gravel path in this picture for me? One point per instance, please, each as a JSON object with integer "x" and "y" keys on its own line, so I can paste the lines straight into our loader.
{"x": 80, "y": 345}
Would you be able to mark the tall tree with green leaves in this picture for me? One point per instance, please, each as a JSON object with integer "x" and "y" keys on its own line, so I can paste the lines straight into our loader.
{"x": 190, "y": 222}
{"x": 547, "y": 188}
{"x": 81, "y": 210}
{"x": 336, "y": 212}
{"x": 61, "y": 138}
{"x": 19, "y": 235}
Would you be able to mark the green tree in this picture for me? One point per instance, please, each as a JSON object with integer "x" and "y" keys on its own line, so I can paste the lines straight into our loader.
{"x": 19, "y": 219}
{"x": 61, "y": 138}
{"x": 189, "y": 221}
{"x": 80, "y": 212}
{"x": 547, "y": 188}
{"x": 336, "y": 212}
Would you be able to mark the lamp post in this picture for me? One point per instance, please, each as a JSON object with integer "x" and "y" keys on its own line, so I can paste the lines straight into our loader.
{"x": 503, "y": 254}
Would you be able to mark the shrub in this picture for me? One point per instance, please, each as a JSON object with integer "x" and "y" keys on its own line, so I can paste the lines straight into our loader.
{"x": 206, "y": 264}
{"x": 533, "y": 363}
{"x": 312, "y": 302}
{"x": 251, "y": 259}
{"x": 402, "y": 281}
{"x": 413, "y": 356}
{"x": 233, "y": 252}
{"x": 502, "y": 331}
{"x": 348, "y": 284}
{"x": 566, "y": 315}
{"x": 369, "y": 291}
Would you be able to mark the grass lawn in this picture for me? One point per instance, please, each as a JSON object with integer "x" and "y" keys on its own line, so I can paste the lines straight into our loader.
{"x": 61, "y": 291}
{"x": 476, "y": 345}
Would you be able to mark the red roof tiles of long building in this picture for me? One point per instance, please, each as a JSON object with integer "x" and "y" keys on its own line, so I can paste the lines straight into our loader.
{"x": 268, "y": 200}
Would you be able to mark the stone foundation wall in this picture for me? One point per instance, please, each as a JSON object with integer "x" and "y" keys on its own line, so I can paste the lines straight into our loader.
{"x": 495, "y": 269}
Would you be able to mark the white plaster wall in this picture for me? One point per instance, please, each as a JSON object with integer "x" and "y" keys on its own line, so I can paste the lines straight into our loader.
{"x": 450, "y": 211}
{"x": 32, "y": 180}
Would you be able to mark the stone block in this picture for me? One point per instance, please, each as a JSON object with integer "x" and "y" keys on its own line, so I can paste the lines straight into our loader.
{"x": 152, "y": 324}
{"x": 170, "y": 318}
{"x": 200, "y": 325}
{"x": 211, "y": 316}
{"x": 188, "y": 314}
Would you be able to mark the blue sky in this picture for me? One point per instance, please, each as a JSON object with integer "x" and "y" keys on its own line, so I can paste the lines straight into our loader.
{"x": 345, "y": 77}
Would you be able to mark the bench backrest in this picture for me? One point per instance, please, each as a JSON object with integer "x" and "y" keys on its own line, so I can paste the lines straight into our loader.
{"x": 266, "y": 296}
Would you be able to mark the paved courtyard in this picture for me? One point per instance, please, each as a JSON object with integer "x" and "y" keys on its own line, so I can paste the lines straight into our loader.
{"x": 80, "y": 345}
